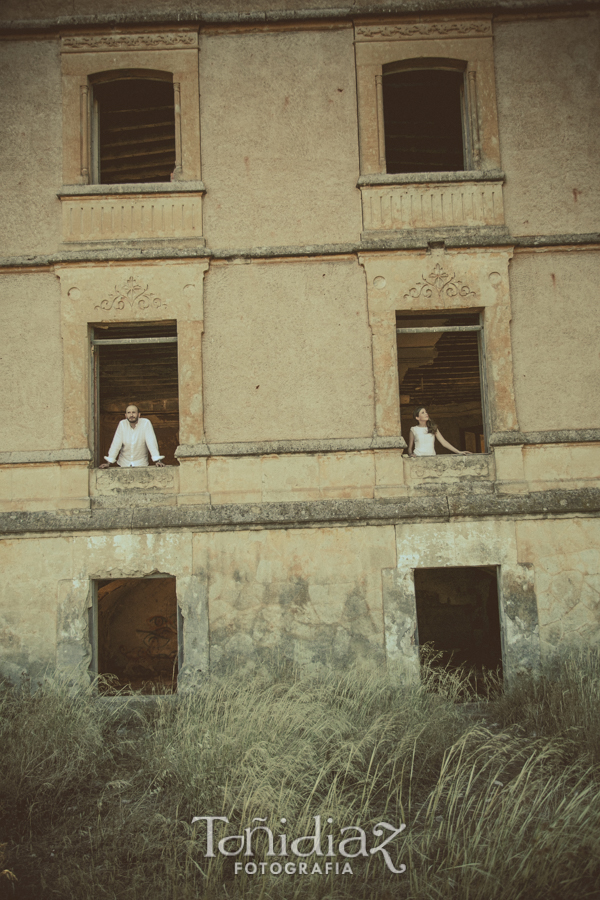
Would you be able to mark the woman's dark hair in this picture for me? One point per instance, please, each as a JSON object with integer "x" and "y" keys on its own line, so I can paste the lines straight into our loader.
{"x": 431, "y": 426}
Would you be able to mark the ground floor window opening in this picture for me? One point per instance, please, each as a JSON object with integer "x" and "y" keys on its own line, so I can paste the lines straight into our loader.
{"x": 136, "y": 363}
{"x": 440, "y": 355}
{"x": 458, "y": 619}
{"x": 137, "y": 632}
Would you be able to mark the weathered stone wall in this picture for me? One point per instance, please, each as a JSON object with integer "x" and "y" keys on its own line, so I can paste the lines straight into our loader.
{"x": 566, "y": 560}
{"x": 279, "y": 138}
{"x": 556, "y": 335}
{"x": 549, "y": 116}
{"x": 287, "y": 351}
{"x": 312, "y": 597}
{"x": 317, "y": 597}
{"x": 30, "y": 147}
{"x": 30, "y": 362}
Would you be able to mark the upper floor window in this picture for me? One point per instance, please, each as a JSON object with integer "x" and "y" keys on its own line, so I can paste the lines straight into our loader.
{"x": 424, "y": 116}
{"x": 133, "y": 128}
{"x": 135, "y": 363}
{"x": 440, "y": 367}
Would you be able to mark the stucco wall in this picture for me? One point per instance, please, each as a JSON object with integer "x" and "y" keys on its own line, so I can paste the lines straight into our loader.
{"x": 549, "y": 117}
{"x": 30, "y": 363}
{"x": 311, "y": 596}
{"x": 555, "y": 339}
{"x": 32, "y": 570}
{"x": 319, "y": 597}
{"x": 566, "y": 558}
{"x": 287, "y": 352}
{"x": 30, "y": 147}
{"x": 279, "y": 138}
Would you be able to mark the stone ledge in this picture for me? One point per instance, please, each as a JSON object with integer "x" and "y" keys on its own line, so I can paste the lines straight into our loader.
{"x": 416, "y": 237}
{"x": 109, "y": 190}
{"x": 419, "y": 240}
{"x": 265, "y": 448}
{"x": 309, "y": 514}
{"x": 17, "y": 457}
{"x": 174, "y": 14}
{"x": 567, "y": 436}
{"x": 430, "y": 177}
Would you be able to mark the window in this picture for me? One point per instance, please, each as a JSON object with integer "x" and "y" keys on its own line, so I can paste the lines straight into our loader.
{"x": 458, "y": 616}
{"x": 424, "y": 116}
{"x": 133, "y": 128}
{"x": 440, "y": 366}
{"x": 136, "y": 628}
{"x": 136, "y": 363}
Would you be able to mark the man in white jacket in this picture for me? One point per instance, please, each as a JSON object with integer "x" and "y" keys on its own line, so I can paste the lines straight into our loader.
{"x": 133, "y": 439}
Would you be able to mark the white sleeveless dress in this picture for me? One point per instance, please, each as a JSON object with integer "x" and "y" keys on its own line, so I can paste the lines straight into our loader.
{"x": 424, "y": 442}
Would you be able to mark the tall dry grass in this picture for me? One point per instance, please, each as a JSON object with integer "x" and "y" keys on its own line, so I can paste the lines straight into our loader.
{"x": 501, "y": 798}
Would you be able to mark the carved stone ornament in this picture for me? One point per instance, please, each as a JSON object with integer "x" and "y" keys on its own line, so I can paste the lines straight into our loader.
{"x": 440, "y": 285}
{"x": 133, "y": 294}
{"x": 76, "y": 43}
{"x": 424, "y": 30}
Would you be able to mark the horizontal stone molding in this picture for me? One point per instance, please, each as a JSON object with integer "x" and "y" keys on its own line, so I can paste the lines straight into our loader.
{"x": 430, "y": 205}
{"x": 171, "y": 13}
{"x": 109, "y": 190}
{"x": 22, "y": 457}
{"x": 424, "y": 30}
{"x": 131, "y": 216}
{"x": 98, "y": 43}
{"x": 405, "y": 240}
{"x": 264, "y": 448}
{"x": 567, "y": 436}
{"x": 307, "y": 514}
{"x": 492, "y": 175}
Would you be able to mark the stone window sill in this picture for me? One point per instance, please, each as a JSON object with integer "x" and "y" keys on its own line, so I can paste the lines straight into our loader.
{"x": 431, "y": 177}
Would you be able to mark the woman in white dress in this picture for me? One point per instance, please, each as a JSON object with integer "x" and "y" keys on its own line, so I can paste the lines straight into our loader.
{"x": 422, "y": 436}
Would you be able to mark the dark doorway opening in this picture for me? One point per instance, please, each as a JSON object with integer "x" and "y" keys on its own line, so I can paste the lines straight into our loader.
{"x": 440, "y": 367}
{"x": 138, "y": 633}
{"x": 458, "y": 616}
{"x": 136, "y": 363}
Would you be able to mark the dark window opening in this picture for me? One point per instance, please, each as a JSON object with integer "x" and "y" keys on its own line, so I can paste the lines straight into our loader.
{"x": 136, "y": 364}
{"x": 458, "y": 617}
{"x": 134, "y": 130}
{"x": 423, "y": 116}
{"x": 440, "y": 367}
{"x": 137, "y": 634}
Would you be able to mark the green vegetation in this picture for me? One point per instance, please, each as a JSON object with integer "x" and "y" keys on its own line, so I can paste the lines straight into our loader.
{"x": 501, "y": 797}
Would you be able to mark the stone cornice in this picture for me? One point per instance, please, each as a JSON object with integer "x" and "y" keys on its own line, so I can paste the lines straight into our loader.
{"x": 22, "y": 457}
{"x": 176, "y": 17}
{"x": 419, "y": 239}
{"x": 558, "y": 436}
{"x": 263, "y": 448}
{"x": 311, "y": 514}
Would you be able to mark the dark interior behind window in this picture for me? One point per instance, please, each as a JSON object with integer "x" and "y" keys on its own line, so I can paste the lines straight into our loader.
{"x": 442, "y": 372}
{"x": 135, "y": 130}
{"x": 423, "y": 120}
{"x": 142, "y": 373}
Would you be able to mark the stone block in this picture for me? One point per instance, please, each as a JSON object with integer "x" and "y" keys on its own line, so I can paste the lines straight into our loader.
{"x": 561, "y": 462}
{"x": 389, "y": 468}
{"x": 446, "y": 469}
{"x": 74, "y": 480}
{"x": 346, "y": 475}
{"x": 35, "y": 482}
{"x": 289, "y": 478}
{"x": 510, "y": 472}
{"x": 234, "y": 479}
{"x": 193, "y": 481}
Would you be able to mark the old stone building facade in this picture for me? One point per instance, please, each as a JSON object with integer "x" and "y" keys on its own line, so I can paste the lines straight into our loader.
{"x": 278, "y": 231}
